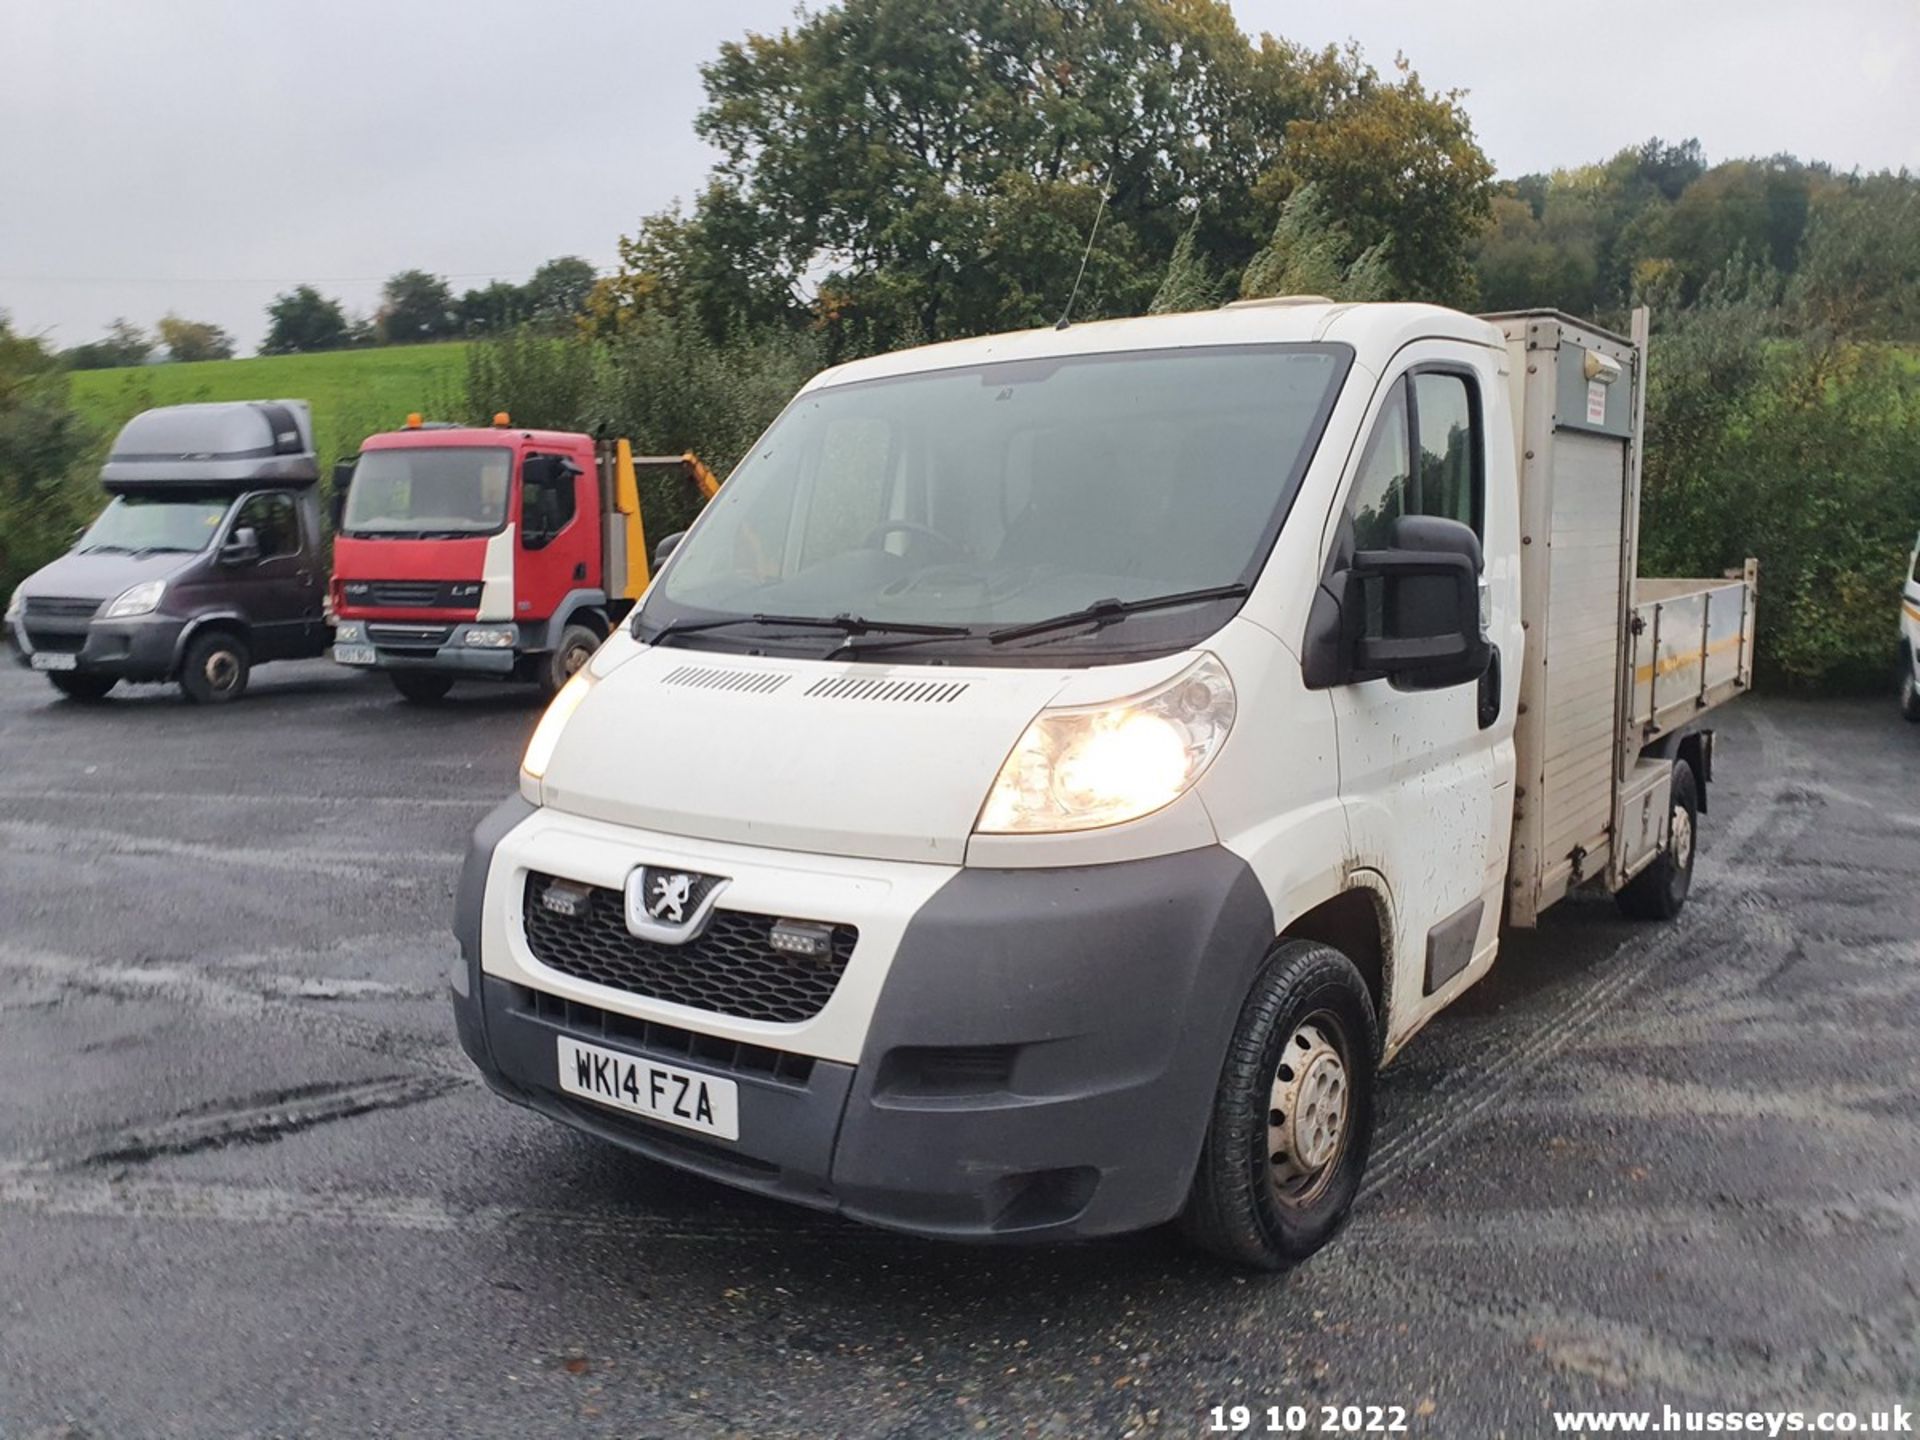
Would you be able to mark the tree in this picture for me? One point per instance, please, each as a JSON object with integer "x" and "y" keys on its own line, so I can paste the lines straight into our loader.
{"x": 1859, "y": 271}
{"x": 890, "y": 171}
{"x": 558, "y": 290}
{"x": 124, "y": 344}
{"x": 1398, "y": 167}
{"x": 194, "y": 339}
{"x": 498, "y": 307}
{"x": 41, "y": 443}
{"x": 304, "y": 320}
{"x": 415, "y": 306}
{"x": 1312, "y": 254}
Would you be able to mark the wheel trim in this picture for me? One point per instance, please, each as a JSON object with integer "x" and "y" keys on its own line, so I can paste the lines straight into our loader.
{"x": 573, "y": 658}
{"x": 1309, "y": 1112}
{"x": 1680, "y": 838}
{"x": 222, "y": 671}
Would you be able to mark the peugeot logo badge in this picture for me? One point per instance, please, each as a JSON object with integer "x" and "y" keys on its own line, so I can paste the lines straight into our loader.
{"x": 668, "y": 905}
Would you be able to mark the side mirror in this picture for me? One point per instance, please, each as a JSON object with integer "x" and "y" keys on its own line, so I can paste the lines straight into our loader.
{"x": 242, "y": 547}
{"x": 337, "y": 498}
{"x": 1411, "y": 612}
{"x": 668, "y": 544}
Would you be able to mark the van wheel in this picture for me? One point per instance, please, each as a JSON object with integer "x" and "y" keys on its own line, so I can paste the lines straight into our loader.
{"x": 215, "y": 668}
{"x": 1293, "y": 1117}
{"x": 1659, "y": 891}
{"x": 576, "y": 647}
{"x": 87, "y": 689}
{"x": 1909, "y": 688}
{"x": 420, "y": 687}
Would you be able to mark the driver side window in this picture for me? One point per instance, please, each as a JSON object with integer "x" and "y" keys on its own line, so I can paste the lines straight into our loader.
{"x": 1423, "y": 458}
{"x": 275, "y": 522}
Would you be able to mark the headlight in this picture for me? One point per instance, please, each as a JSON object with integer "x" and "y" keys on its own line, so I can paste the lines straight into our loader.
{"x": 138, "y": 601}
{"x": 546, "y": 735}
{"x": 350, "y": 632}
{"x": 494, "y": 637}
{"x": 1081, "y": 767}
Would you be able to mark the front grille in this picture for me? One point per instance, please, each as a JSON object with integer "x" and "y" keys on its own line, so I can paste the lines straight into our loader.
{"x": 710, "y": 1052}
{"x": 401, "y": 593}
{"x": 67, "y": 643}
{"x": 731, "y": 969}
{"x": 55, "y": 606}
{"x": 409, "y": 637}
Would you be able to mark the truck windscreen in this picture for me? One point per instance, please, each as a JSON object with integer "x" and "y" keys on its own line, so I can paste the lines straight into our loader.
{"x": 428, "y": 492}
{"x": 994, "y": 495}
{"x": 138, "y": 524}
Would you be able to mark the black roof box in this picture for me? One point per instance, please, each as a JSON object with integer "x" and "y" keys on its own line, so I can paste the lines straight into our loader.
{"x": 235, "y": 443}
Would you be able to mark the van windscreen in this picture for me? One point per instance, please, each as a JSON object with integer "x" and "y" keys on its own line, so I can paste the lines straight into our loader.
{"x": 139, "y": 524}
{"x": 991, "y": 496}
{"x": 424, "y": 492}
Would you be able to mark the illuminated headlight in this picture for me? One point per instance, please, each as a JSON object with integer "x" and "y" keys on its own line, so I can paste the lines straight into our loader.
{"x": 139, "y": 600}
{"x": 546, "y": 735}
{"x": 491, "y": 637}
{"x": 1081, "y": 767}
{"x": 350, "y": 632}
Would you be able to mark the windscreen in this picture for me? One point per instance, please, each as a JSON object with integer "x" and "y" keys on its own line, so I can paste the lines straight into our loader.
{"x": 429, "y": 493}
{"x": 1000, "y": 494}
{"x": 141, "y": 524}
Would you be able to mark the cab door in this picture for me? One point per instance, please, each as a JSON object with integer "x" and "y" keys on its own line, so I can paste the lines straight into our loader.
{"x": 279, "y": 591}
{"x": 558, "y": 536}
{"x": 1426, "y": 774}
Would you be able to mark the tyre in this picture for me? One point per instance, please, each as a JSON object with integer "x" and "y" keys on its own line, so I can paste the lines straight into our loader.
{"x": 215, "y": 668}
{"x": 1292, "y": 1119}
{"x": 1659, "y": 891}
{"x": 1909, "y": 688}
{"x": 420, "y": 687}
{"x": 87, "y": 689}
{"x": 576, "y": 647}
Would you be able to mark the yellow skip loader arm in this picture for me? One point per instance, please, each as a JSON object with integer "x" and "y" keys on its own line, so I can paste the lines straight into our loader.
{"x": 634, "y": 571}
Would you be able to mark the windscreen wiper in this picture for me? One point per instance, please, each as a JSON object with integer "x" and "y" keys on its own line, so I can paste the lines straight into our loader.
{"x": 1107, "y": 612}
{"x": 849, "y": 625}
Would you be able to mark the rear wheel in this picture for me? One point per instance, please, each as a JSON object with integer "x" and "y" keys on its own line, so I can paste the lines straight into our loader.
{"x": 215, "y": 668}
{"x": 1659, "y": 891}
{"x": 420, "y": 687}
{"x": 576, "y": 647}
{"x": 87, "y": 689}
{"x": 1293, "y": 1116}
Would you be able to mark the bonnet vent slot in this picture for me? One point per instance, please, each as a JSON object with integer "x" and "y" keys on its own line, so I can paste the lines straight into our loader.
{"x": 745, "y": 682}
{"x": 855, "y": 687}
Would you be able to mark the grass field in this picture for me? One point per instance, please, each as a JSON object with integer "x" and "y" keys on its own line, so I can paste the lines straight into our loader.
{"x": 354, "y": 392}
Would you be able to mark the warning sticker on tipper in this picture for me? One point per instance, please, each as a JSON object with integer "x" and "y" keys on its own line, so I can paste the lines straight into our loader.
{"x": 1596, "y": 403}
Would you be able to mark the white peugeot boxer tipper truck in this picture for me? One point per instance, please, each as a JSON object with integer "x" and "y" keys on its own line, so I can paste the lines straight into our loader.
{"x": 1058, "y": 769}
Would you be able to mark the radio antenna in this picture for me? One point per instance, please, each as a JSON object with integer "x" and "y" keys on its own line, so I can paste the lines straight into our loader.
{"x": 1066, "y": 315}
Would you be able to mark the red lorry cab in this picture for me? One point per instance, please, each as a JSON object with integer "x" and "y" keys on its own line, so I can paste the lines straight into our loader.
{"x": 486, "y": 552}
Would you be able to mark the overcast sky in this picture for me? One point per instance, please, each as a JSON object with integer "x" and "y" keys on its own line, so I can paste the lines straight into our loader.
{"x": 202, "y": 155}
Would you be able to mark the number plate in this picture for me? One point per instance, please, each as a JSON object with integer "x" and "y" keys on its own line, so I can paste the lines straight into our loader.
{"x": 645, "y": 1087}
{"x": 54, "y": 660}
{"x": 353, "y": 654}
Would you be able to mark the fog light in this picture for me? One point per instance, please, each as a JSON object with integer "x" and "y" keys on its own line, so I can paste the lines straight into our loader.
{"x": 802, "y": 937}
{"x": 495, "y": 637}
{"x": 350, "y": 632}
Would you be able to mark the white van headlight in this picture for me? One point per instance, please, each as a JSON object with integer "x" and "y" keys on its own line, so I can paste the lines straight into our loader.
{"x": 139, "y": 600}
{"x": 546, "y": 735}
{"x": 1081, "y": 767}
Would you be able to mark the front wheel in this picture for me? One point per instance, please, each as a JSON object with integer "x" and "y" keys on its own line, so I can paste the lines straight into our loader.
{"x": 1659, "y": 891}
{"x": 215, "y": 668}
{"x": 576, "y": 647}
{"x": 1909, "y": 689}
{"x": 420, "y": 687}
{"x": 1293, "y": 1115}
{"x": 87, "y": 689}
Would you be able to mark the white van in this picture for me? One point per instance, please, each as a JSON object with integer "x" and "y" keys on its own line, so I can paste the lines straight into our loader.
{"x": 1059, "y": 768}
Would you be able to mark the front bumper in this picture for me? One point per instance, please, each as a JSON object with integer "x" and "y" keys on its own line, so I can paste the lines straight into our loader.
{"x": 144, "y": 647}
{"x": 1037, "y": 1058}
{"x": 428, "y": 645}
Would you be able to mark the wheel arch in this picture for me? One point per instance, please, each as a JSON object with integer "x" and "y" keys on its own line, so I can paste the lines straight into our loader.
{"x": 214, "y": 620}
{"x": 574, "y": 605}
{"x": 1358, "y": 922}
